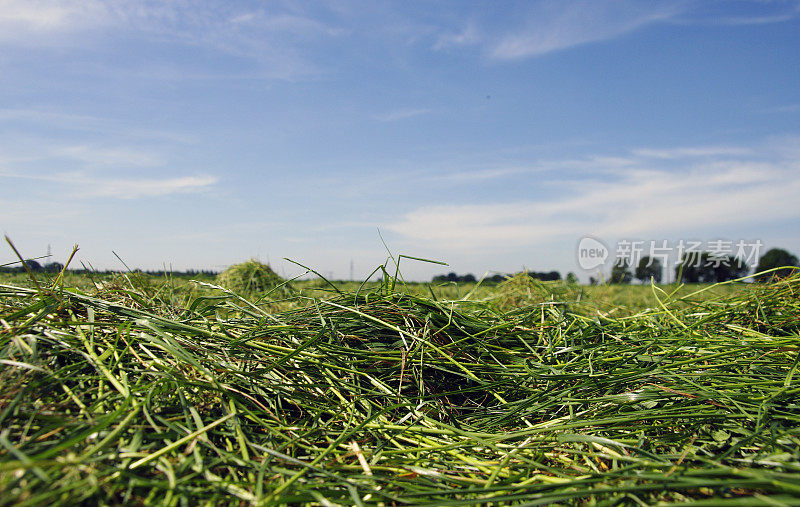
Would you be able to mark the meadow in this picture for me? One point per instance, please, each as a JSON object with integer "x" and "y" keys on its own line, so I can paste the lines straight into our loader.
{"x": 146, "y": 390}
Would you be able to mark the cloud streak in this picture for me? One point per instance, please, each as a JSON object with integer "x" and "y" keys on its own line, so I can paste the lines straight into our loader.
{"x": 767, "y": 13}
{"x": 693, "y": 152}
{"x": 401, "y": 114}
{"x": 83, "y": 186}
{"x": 139, "y": 188}
{"x": 110, "y": 157}
{"x": 467, "y": 36}
{"x": 555, "y": 26}
{"x": 23, "y": 19}
{"x": 550, "y": 25}
{"x": 757, "y": 187}
{"x": 276, "y": 39}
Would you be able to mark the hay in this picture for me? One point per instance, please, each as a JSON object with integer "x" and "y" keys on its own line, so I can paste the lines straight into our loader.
{"x": 249, "y": 278}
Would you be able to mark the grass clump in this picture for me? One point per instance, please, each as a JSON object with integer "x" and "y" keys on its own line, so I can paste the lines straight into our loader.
{"x": 523, "y": 290}
{"x": 250, "y": 278}
{"x": 391, "y": 398}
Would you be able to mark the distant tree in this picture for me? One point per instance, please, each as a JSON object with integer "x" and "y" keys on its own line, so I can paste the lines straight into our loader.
{"x": 571, "y": 278}
{"x": 468, "y": 278}
{"x": 592, "y": 280}
{"x": 620, "y": 273}
{"x": 691, "y": 268}
{"x": 449, "y": 277}
{"x": 648, "y": 268}
{"x": 496, "y": 278}
{"x": 727, "y": 268}
{"x": 33, "y": 265}
{"x": 777, "y": 258}
{"x": 703, "y": 267}
{"x": 53, "y": 267}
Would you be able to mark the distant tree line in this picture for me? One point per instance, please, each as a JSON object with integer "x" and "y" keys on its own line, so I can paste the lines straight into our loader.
{"x": 33, "y": 265}
{"x": 705, "y": 267}
{"x": 56, "y": 267}
{"x": 188, "y": 272}
{"x": 693, "y": 267}
{"x": 548, "y": 276}
{"x": 453, "y": 277}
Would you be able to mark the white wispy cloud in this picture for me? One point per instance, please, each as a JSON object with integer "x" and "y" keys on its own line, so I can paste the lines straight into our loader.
{"x": 109, "y": 157}
{"x": 55, "y": 119}
{"x": 288, "y": 23}
{"x": 467, "y": 36}
{"x": 180, "y": 18}
{"x": 758, "y": 187}
{"x": 693, "y": 151}
{"x": 48, "y": 117}
{"x": 26, "y": 19}
{"x": 555, "y": 25}
{"x": 758, "y": 20}
{"x": 768, "y": 13}
{"x": 787, "y": 108}
{"x": 458, "y": 226}
{"x": 81, "y": 185}
{"x": 401, "y": 114}
{"x": 138, "y": 188}
{"x": 37, "y": 214}
{"x": 275, "y": 39}
{"x": 481, "y": 174}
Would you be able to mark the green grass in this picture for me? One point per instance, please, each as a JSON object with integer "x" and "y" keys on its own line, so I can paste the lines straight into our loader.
{"x": 163, "y": 391}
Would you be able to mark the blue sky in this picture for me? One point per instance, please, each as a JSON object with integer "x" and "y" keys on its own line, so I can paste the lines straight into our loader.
{"x": 490, "y": 135}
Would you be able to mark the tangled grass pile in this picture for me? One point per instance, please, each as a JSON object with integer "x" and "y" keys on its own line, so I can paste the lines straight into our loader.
{"x": 391, "y": 398}
{"x": 250, "y": 278}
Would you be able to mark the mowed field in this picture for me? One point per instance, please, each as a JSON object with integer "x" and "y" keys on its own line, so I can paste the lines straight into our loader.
{"x": 137, "y": 389}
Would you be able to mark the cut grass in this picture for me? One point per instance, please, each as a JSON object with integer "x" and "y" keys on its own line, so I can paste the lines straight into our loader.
{"x": 250, "y": 277}
{"x": 152, "y": 394}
